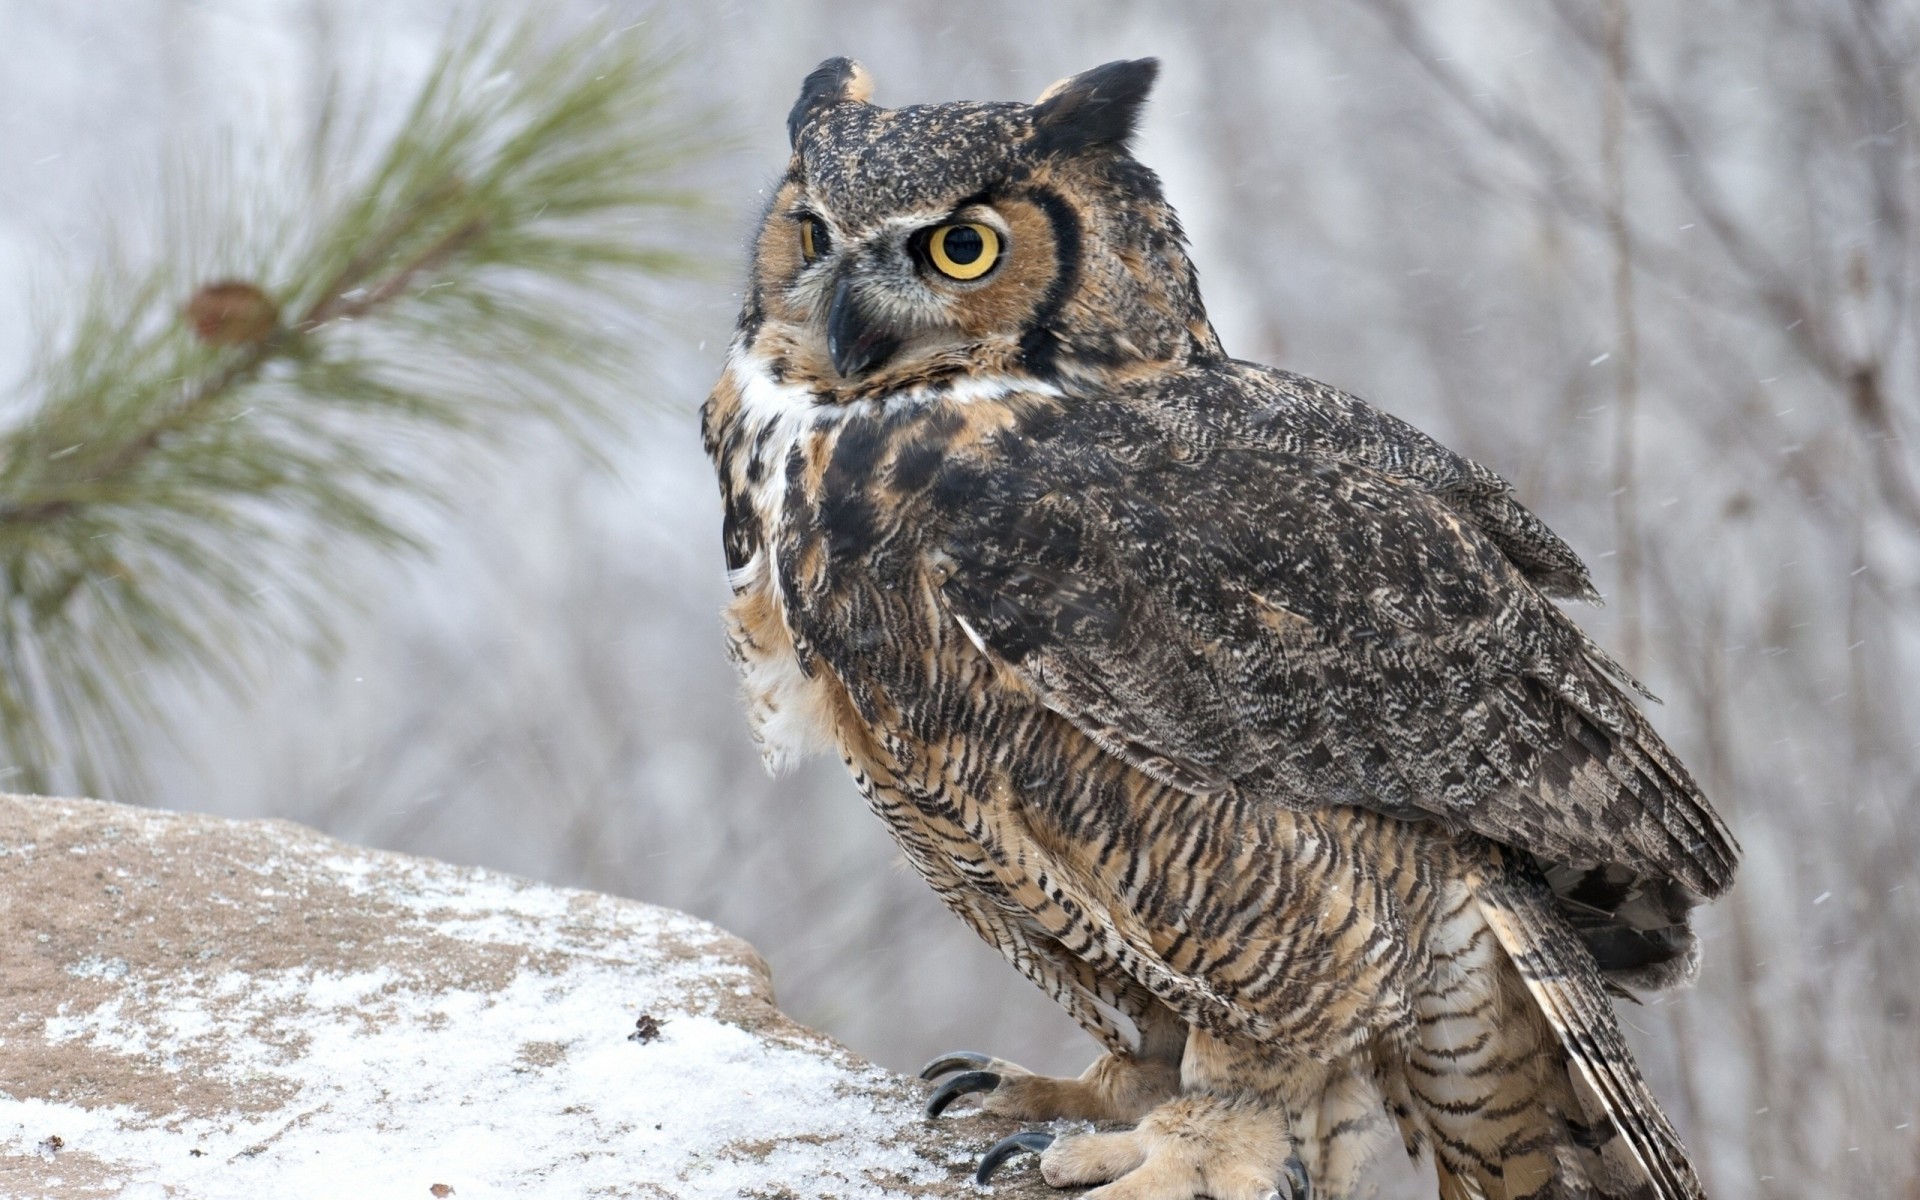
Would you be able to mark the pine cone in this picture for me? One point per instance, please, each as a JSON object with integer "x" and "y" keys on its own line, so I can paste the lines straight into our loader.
{"x": 233, "y": 313}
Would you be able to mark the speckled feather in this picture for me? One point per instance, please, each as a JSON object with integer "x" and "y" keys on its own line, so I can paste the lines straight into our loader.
{"x": 1233, "y": 711}
{"x": 1230, "y": 614}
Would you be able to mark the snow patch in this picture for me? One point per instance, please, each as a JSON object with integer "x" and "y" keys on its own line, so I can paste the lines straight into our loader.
{"x": 526, "y": 1084}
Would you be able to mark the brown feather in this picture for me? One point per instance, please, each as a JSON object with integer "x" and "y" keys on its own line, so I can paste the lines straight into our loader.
{"x": 1233, "y": 712}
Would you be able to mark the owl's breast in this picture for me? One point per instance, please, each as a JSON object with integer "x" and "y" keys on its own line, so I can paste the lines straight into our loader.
{"x": 789, "y": 708}
{"x": 835, "y": 541}
{"x": 760, "y": 435}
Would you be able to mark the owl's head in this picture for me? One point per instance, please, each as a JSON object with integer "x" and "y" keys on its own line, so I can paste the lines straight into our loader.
{"x": 917, "y": 244}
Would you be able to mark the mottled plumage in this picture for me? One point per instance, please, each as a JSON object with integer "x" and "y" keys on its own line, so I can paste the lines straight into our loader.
{"x": 1234, "y": 712}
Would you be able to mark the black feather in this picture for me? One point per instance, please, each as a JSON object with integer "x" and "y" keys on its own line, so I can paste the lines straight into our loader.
{"x": 826, "y": 86}
{"x": 1097, "y": 108}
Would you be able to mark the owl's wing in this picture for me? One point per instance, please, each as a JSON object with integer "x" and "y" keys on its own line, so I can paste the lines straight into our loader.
{"x": 1234, "y": 617}
{"x": 1255, "y": 404}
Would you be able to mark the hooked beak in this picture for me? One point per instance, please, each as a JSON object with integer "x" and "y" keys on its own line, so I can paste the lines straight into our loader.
{"x": 854, "y": 341}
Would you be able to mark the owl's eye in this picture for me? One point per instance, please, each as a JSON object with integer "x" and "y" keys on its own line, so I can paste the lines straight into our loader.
{"x": 963, "y": 251}
{"x": 814, "y": 240}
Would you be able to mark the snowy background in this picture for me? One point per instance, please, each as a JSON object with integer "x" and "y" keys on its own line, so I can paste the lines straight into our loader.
{"x": 1422, "y": 209}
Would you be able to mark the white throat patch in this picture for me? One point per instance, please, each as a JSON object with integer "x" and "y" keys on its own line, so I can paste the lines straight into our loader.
{"x": 764, "y": 399}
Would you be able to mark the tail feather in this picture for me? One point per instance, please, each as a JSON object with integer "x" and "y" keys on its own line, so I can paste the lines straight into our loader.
{"x": 1561, "y": 977}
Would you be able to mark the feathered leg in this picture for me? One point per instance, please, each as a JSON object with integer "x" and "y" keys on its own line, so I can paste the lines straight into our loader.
{"x": 1121, "y": 1085}
{"x": 1225, "y": 1137}
{"x": 1115, "y": 1088}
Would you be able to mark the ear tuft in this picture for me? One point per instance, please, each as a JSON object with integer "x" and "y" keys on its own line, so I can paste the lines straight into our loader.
{"x": 1100, "y": 107}
{"x": 835, "y": 81}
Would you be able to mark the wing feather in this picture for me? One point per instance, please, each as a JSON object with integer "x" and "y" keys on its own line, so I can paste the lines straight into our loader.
{"x": 1257, "y": 404}
{"x": 1224, "y": 615}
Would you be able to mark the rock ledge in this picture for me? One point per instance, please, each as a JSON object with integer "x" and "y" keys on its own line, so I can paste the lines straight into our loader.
{"x": 205, "y": 1008}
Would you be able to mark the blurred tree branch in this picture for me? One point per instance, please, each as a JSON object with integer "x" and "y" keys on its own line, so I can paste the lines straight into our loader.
{"x": 1626, "y": 351}
{"x": 302, "y": 366}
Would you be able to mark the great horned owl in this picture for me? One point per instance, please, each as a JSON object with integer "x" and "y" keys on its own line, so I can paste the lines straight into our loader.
{"x": 1235, "y": 713}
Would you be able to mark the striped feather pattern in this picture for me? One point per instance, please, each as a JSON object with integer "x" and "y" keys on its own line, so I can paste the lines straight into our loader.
{"x": 1234, "y": 712}
{"x": 1564, "y": 984}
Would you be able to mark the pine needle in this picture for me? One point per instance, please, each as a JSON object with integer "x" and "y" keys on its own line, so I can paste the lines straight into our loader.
{"x": 303, "y": 367}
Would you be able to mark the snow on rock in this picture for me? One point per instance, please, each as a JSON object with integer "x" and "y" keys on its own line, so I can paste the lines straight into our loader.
{"x": 196, "y": 1007}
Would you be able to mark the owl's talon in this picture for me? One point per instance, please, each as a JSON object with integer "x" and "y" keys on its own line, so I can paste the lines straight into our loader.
{"x": 1295, "y": 1181}
{"x": 1031, "y": 1140}
{"x": 958, "y": 1086}
{"x": 959, "y": 1060}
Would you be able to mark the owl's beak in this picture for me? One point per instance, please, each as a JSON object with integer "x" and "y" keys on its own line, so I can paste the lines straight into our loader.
{"x": 855, "y": 341}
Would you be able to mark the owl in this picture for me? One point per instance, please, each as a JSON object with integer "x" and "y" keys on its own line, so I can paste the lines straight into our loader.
{"x": 1236, "y": 714}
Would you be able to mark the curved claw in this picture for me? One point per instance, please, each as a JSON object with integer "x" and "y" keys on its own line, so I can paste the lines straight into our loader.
{"x": 959, "y": 1060}
{"x": 958, "y": 1086}
{"x": 1006, "y": 1148}
{"x": 1294, "y": 1178}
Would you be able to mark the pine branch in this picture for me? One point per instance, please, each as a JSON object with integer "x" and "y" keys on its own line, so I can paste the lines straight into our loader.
{"x": 298, "y": 374}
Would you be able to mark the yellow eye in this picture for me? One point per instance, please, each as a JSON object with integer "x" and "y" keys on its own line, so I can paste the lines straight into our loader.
{"x": 963, "y": 251}
{"x": 813, "y": 239}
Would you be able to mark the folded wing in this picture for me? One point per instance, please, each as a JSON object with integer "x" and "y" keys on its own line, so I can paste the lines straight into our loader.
{"x": 1226, "y": 615}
